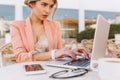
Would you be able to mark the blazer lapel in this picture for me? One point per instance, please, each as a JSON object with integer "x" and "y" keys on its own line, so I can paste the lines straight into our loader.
{"x": 29, "y": 34}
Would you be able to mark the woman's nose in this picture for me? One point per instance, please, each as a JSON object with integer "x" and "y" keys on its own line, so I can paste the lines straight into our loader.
{"x": 47, "y": 10}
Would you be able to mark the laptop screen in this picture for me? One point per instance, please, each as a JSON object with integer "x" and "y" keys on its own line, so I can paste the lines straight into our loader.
{"x": 100, "y": 38}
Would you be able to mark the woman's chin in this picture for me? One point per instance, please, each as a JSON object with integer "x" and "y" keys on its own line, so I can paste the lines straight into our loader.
{"x": 43, "y": 19}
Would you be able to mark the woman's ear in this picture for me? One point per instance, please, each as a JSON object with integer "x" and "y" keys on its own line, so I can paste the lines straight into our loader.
{"x": 32, "y": 5}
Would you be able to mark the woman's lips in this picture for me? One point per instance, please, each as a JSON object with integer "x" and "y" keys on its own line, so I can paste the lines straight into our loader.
{"x": 45, "y": 16}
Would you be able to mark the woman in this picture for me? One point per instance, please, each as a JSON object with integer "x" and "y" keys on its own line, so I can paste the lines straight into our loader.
{"x": 37, "y": 38}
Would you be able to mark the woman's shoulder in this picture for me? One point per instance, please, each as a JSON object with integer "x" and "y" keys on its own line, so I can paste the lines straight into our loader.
{"x": 18, "y": 23}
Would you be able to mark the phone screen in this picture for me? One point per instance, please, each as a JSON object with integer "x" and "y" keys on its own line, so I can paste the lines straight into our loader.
{"x": 33, "y": 67}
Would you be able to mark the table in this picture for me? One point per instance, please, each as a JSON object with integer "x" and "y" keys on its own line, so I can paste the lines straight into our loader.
{"x": 16, "y": 72}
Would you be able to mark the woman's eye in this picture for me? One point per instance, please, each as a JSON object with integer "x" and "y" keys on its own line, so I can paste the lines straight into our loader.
{"x": 43, "y": 4}
{"x": 51, "y": 6}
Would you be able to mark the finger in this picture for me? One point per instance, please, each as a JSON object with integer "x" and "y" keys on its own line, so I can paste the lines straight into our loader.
{"x": 65, "y": 53}
{"x": 85, "y": 54}
{"x": 86, "y": 51}
{"x": 77, "y": 53}
{"x": 73, "y": 56}
{"x": 81, "y": 53}
{"x": 83, "y": 50}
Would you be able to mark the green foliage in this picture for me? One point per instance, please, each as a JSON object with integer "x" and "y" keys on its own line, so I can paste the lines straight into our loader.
{"x": 86, "y": 34}
{"x": 89, "y": 33}
{"x": 114, "y": 29}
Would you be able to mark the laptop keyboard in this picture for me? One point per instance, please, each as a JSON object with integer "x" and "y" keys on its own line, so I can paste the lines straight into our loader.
{"x": 80, "y": 62}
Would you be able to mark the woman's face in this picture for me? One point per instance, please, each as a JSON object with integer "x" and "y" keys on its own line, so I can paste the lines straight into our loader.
{"x": 41, "y": 9}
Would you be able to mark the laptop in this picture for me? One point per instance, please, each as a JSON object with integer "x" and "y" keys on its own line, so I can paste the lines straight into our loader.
{"x": 99, "y": 48}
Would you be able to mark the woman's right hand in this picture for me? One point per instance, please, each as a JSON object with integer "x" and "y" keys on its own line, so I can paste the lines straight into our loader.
{"x": 65, "y": 53}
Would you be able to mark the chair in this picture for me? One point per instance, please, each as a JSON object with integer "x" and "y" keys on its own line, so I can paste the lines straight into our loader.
{"x": 6, "y": 55}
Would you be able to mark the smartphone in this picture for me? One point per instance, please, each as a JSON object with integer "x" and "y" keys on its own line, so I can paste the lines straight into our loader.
{"x": 33, "y": 69}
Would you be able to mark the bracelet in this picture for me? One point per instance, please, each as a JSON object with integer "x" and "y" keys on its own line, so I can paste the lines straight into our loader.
{"x": 53, "y": 54}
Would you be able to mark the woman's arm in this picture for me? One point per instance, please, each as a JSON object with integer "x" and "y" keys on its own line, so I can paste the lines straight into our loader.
{"x": 58, "y": 54}
{"x": 42, "y": 56}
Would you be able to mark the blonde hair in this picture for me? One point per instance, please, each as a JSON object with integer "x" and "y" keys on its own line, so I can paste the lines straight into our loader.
{"x": 27, "y": 2}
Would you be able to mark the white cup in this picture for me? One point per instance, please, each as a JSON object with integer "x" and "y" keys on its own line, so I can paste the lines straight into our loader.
{"x": 108, "y": 68}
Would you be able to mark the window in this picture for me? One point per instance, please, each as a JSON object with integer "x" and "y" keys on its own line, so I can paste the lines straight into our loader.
{"x": 7, "y": 12}
{"x": 26, "y": 12}
{"x": 69, "y": 21}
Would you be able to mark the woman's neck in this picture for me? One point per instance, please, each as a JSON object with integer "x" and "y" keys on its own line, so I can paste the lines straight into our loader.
{"x": 34, "y": 20}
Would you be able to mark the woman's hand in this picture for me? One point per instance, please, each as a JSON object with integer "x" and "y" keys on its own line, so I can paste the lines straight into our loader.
{"x": 65, "y": 53}
{"x": 72, "y": 51}
{"x": 79, "y": 51}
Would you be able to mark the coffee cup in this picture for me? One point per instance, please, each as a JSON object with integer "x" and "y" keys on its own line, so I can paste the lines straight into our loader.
{"x": 108, "y": 68}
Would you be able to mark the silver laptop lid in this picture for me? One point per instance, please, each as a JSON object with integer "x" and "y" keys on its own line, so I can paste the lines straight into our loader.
{"x": 100, "y": 38}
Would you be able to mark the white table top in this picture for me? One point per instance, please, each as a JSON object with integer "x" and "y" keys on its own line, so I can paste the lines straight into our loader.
{"x": 16, "y": 72}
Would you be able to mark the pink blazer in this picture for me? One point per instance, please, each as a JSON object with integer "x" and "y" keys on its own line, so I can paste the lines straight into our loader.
{"x": 23, "y": 42}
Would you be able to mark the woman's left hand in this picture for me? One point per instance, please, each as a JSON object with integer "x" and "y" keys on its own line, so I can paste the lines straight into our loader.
{"x": 81, "y": 51}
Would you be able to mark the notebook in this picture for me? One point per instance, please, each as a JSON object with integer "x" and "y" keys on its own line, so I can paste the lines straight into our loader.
{"x": 98, "y": 51}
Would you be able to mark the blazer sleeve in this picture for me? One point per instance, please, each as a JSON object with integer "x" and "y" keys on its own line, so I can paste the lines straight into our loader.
{"x": 22, "y": 55}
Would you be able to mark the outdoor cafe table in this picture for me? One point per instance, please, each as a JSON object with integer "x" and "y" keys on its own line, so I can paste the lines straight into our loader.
{"x": 16, "y": 72}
